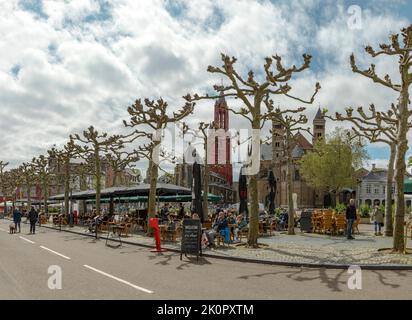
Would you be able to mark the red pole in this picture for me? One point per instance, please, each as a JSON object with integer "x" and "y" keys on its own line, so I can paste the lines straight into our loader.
{"x": 154, "y": 223}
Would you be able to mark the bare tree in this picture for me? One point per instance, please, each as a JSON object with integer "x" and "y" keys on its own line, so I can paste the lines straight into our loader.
{"x": 118, "y": 161}
{"x": 95, "y": 145}
{"x": 153, "y": 115}
{"x": 41, "y": 168}
{"x": 252, "y": 94}
{"x": 29, "y": 179}
{"x": 63, "y": 158}
{"x": 291, "y": 121}
{"x": 376, "y": 127}
{"x": 402, "y": 112}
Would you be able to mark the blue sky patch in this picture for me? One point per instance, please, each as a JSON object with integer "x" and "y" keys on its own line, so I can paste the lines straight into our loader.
{"x": 33, "y": 6}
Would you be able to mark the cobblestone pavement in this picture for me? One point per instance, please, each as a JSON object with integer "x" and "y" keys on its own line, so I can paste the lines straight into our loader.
{"x": 302, "y": 248}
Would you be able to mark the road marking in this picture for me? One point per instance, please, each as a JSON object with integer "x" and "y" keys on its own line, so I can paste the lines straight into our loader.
{"x": 59, "y": 254}
{"x": 27, "y": 240}
{"x": 118, "y": 279}
{"x": 2, "y": 230}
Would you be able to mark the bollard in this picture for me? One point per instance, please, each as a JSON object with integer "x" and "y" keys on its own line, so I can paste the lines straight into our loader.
{"x": 154, "y": 223}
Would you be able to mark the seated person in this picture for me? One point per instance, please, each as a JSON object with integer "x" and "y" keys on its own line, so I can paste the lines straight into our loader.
{"x": 220, "y": 226}
{"x": 240, "y": 225}
{"x": 283, "y": 220}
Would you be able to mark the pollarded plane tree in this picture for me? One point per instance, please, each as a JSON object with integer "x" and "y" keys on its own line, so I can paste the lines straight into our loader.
{"x": 404, "y": 53}
{"x": 12, "y": 180}
{"x": 29, "y": 179}
{"x": 377, "y": 126}
{"x": 149, "y": 120}
{"x": 3, "y": 181}
{"x": 3, "y": 166}
{"x": 119, "y": 160}
{"x": 63, "y": 167}
{"x": 292, "y": 122}
{"x": 202, "y": 132}
{"x": 94, "y": 146}
{"x": 252, "y": 94}
{"x": 42, "y": 170}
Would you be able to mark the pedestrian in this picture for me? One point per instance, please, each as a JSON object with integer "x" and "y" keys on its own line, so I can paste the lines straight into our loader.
{"x": 17, "y": 219}
{"x": 33, "y": 217}
{"x": 181, "y": 211}
{"x": 377, "y": 217}
{"x": 351, "y": 217}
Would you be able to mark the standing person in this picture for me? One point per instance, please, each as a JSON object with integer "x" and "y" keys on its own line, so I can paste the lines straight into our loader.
{"x": 181, "y": 211}
{"x": 351, "y": 217}
{"x": 377, "y": 217}
{"x": 17, "y": 218}
{"x": 33, "y": 217}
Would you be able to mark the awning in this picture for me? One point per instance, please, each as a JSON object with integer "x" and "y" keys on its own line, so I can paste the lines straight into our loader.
{"x": 408, "y": 186}
{"x": 163, "y": 189}
{"x": 182, "y": 198}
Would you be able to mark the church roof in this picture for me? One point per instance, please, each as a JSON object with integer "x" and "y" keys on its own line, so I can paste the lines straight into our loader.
{"x": 303, "y": 142}
{"x": 319, "y": 114}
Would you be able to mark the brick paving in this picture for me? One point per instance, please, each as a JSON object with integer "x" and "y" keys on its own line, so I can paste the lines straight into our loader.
{"x": 304, "y": 248}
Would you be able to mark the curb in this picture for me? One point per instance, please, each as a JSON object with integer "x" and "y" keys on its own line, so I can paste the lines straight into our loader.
{"x": 376, "y": 267}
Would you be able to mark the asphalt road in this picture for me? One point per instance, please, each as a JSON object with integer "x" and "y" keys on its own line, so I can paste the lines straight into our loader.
{"x": 91, "y": 270}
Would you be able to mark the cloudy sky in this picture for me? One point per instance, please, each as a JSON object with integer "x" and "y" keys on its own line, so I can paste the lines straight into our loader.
{"x": 67, "y": 64}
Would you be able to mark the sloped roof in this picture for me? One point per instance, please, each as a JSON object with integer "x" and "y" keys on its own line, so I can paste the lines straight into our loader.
{"x": 303, "y": 142}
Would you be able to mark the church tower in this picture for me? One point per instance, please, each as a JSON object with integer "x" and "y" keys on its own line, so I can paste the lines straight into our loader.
{"x": 318, "y": 127}
{"x": 222, "y": 150}
{"x": 278, "y": 136}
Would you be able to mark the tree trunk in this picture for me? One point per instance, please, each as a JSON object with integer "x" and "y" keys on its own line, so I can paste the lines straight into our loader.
{"x": 253, "y": 186}
{"x": 151, "y": 208}
{"x": 253, "y": 213}
{"x": 337, "y": 198}
{"x": 66, "y": 187}
{"x": 400, "y": 169}
{"x": 98, "y": 181}
{"x": 388, "y": 195}
{"x": 291, "y": 209}
{"x": 206, "y": 187}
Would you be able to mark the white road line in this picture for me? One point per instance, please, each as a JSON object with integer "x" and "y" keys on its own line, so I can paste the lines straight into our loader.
{"x": 118, "y": 279}
{"x": 59, "y": 254}
{"x": 2, "y": 230}
{"x": 27, "y": 240}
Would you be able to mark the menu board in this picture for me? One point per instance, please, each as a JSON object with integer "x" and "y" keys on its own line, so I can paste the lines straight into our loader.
{"x": 191, "y": 235}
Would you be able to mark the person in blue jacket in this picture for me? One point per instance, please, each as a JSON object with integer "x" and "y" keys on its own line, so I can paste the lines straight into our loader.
{"x": 17, "y": 218}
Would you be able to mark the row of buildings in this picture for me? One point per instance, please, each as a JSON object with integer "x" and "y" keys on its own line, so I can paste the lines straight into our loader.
{"x": 369, "y": 189}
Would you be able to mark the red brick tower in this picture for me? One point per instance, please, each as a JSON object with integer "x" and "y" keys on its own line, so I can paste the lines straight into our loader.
{"x": 222, "y": 149}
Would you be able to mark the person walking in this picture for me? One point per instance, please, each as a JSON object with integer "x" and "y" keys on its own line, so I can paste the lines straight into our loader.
{"x": 17, "y": 219}
{"x": 33, "y": 217}
{"x": 350, "y": 217}
{"x": 377, "y": 217}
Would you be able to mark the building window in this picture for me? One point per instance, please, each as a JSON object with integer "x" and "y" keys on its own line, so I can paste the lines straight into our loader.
{"x": 297, "y": 175}
{"x": 376, "y": 189}
{"x": 319, "y": 127}
{"x": 384, "y": 189}
{"x": 319, "y": 135}
{"x": 277, "y": 144}
{"x": 368, "y": 189}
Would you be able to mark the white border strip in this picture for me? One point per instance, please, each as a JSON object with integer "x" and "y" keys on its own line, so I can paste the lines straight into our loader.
{"x": 27, "y": 240}
{"x": 118, "y": 279}
{"x": 59, "y": 254}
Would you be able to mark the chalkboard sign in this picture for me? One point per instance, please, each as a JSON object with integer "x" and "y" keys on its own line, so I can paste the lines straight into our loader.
{"x": 306, "y": 222}
{"x": 191, "y": 235}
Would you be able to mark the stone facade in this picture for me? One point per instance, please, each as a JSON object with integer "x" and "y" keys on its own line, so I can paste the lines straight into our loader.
{"x": 273, "y": 158}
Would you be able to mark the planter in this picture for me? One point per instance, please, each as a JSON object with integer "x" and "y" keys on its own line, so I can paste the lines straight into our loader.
{"x": 365, "y": 220}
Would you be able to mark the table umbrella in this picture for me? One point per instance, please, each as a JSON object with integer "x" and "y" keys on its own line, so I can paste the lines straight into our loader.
{"x": 243, "y": 197}
{"x": 272, "y": 193}
{"x": 197, "y": 190}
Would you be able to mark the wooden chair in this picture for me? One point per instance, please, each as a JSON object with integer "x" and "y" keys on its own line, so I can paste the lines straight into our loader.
{"x": 243, "y": 233}
{"x": 340, "y": 224}
{"x": 273, "y": 226}
{"x": 327, "y": 222}
{"x": 219, "y": 239}
{"x": 356, "y": 224}
{"x": 317, "y": 221}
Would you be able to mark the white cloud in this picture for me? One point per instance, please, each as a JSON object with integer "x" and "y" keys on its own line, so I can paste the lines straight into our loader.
{"x": 73, "y": 72}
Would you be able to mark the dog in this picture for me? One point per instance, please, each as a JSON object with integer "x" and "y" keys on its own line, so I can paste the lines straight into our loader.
{"x": 12, "y": 229}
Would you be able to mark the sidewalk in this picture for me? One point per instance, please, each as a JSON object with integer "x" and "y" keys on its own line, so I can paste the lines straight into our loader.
{"x": 301, "y": 249}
